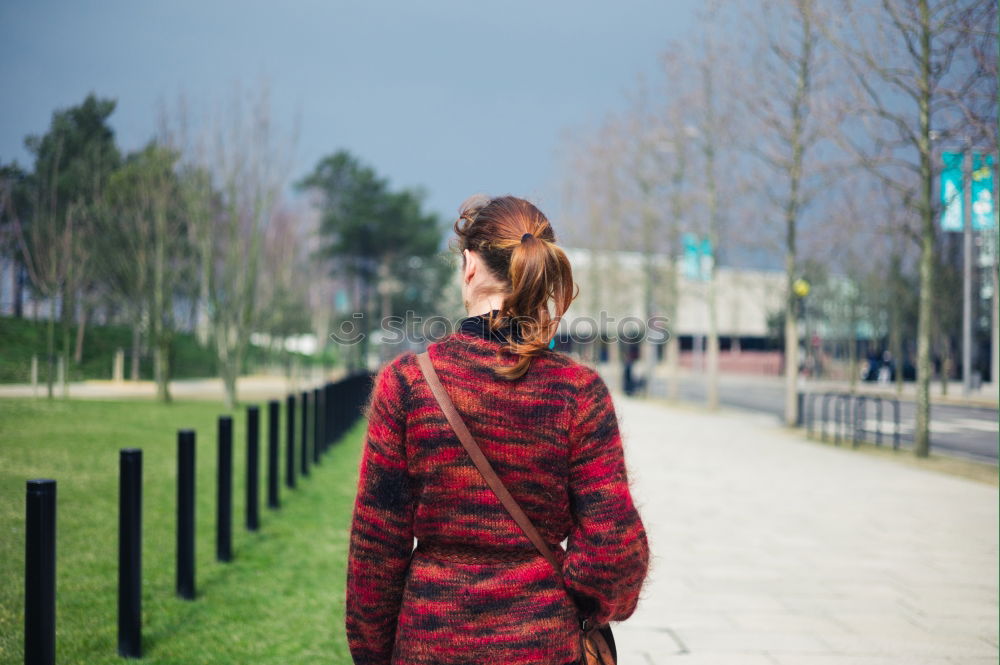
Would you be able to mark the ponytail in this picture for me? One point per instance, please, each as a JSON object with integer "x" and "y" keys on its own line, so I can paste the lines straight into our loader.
{"x": 517, "y": 243}
{"x": 539, "y": 272}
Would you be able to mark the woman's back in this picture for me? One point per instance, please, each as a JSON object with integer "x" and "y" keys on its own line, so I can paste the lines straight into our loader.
{"x": 523, "y": 428}
{"x": 476, "y": 589}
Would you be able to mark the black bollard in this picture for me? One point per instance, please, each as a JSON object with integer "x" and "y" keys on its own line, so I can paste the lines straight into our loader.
{"x": 224, "y": 492}
{"x": 343, "y": 406}
{"x": 321, "y": 418}
{"x": 317, "y": 425}
{"x": 305, "y": 434}
{"x": 253, "y": 468}
{"x": 273, "y": 414}
{"x": 290, "y": 441}
{"x": 40, "y": 573}
{"x": 130, "y": 553}
{"x": 337, "y": 394}
{"x": 328, "y": 409}
{"x": 185, "y": 514}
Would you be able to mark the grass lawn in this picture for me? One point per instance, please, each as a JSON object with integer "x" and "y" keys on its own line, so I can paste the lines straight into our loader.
{"x": 279, "y": 601}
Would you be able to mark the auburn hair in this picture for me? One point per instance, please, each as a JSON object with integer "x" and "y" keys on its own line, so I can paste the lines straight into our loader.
{"x": 531, "y": 269}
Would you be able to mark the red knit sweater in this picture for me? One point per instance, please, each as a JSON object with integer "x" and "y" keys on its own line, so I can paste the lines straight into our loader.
{"x": 553, "y": 438}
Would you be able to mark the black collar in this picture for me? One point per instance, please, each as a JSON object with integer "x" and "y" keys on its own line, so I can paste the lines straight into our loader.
{"x": 479, "y": 326}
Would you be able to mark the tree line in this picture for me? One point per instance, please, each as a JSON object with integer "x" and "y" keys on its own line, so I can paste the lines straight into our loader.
{"x": 808, "y": 132}
{"x": 195, "y": 231}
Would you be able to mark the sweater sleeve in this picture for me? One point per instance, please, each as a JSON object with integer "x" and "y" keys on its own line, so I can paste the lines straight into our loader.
{"x": 607, "y": 554}
{"x": 381, "y": 538}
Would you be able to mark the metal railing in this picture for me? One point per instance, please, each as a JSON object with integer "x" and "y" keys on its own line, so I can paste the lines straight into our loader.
{"x": 850, "y": 417}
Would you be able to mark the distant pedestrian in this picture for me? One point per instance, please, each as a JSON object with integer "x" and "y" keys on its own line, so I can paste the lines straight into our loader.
{"x": 628, "y": 382}
{"x": 885, "y": 369}
{"x": 475, "y": 590}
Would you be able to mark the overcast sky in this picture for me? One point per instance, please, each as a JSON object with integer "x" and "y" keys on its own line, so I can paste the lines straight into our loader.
{"x": 455, "y": 97}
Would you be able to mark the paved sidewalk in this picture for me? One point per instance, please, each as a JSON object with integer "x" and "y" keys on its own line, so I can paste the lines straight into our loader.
{"x": 771, "y": 549}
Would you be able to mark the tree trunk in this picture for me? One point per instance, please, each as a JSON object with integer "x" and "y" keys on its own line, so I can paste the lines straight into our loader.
{"x": 797, "y": 147}
{"x": 791, "y": 303}
{"x": 67, "y": 324}
{"x": 672, "y": 350}
{"x": 922, "y": 433}
{"x": 18, "y": 289}
{"x": 228, "y": 361}
{"x": 229, "y": 383}
{"x": 204, "y": 294}
{"x": 160, "y": 313}
{"x": 852, "y": 345}
{"x": 163, "y": 370}
{"x": 10, "y": 271}
{"x": 674, "y": 285}
{"x": 648, "y": 348}
{"x": 712, "y": 348}
{"x": 791, "y": 367}
{"x": 136, "y": 340}
{"x": 81, "y": 331}
{"x": 51, "y": 347}
{"x": 896, "y": 320}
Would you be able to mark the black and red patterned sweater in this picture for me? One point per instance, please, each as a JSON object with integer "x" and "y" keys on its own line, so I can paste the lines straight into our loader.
{"x": 552, "y": 436}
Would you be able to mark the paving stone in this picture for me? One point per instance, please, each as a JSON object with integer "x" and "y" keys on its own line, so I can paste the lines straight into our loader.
{"x": 770, "y": 548}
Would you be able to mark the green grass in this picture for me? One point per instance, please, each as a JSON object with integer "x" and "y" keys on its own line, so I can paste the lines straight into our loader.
{"x": 279, "y": 601}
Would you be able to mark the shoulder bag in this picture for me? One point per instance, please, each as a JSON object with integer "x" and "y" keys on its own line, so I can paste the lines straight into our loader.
{"x": 593, "y": 639}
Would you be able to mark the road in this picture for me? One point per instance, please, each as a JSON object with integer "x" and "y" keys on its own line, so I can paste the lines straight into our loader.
{"x": 965, "y": 431}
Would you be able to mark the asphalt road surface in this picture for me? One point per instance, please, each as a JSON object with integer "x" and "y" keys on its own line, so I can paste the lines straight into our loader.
{"x": 963, "y": 431}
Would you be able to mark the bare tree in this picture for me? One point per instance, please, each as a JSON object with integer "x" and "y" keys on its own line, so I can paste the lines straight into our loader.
{"x": 644, "y": 226}
{"x": 660, "y": 135}
{"x": 231, "y": 181}
{"x": 910, "y": 62}
{"x": 197, "y": 198}
{"x": 783, "y": 100}
{"x": 714, "y": 132}
{"x": 45, "y": 245}
{"x": 249, "y": 168}
{"x": 675, "y": 135}
{"x": 291, "y": 271}
{"x": 593, "y": 201}
{"x": 678, "y": 208}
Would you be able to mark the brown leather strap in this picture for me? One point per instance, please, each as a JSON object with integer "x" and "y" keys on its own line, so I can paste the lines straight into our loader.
{"x": 594, "y": 648}
{"x": 483, "y": 464}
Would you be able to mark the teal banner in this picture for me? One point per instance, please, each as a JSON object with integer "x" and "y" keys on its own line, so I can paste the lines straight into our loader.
{"x": 690, "y": 263}
{"x": 983, "y": 216}
{"x": 697, "y": 260}
{"x": 952, "y": 217}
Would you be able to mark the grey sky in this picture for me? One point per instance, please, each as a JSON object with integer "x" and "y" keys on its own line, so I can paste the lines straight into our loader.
{"x": 456, "y": 97}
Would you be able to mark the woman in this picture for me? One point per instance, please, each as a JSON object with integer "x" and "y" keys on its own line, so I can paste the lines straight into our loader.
{"x": 475, "y": 590}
